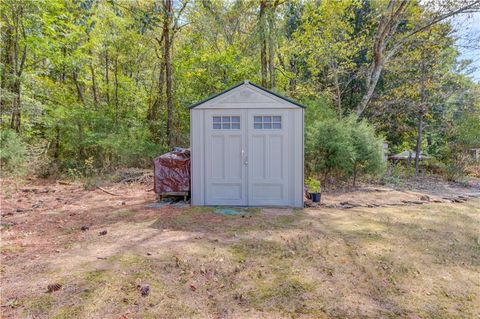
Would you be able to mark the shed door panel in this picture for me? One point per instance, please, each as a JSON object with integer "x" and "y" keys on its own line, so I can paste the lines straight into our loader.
{"x": 268, "y": 157}
{"x": 225, "y": 173}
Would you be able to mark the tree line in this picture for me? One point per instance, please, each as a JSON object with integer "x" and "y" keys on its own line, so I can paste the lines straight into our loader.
{"x": 92, "y": 85}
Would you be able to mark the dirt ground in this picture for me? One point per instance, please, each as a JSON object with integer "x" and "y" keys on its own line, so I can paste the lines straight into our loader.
{"x": 372, "y": 253}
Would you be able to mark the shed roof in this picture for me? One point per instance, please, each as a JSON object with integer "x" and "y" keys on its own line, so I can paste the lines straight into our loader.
{"x": 246, "y": 82}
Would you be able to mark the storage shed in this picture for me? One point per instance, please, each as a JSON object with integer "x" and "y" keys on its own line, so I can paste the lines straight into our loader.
{"x": 247, "y": 149}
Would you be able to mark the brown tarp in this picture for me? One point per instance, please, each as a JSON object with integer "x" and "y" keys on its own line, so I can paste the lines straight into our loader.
{"x": 172, "y": 171}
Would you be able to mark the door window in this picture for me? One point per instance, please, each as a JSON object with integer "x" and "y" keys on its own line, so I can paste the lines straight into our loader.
{"x": 267, "y": 122}
{"x": 226, "y": 122}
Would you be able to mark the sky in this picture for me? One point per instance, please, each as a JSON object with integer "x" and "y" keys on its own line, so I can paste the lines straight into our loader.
{"x": 467, "y": 32}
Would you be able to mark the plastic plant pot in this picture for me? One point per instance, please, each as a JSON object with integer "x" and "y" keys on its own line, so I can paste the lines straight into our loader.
{"x": 316, "y": 197}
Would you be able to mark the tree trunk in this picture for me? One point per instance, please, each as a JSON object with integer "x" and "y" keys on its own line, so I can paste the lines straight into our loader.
{"x": 271, "y": 48}
{"x": 355, "y": 175}
{"x": 421, "y": 112}
{"x": 293, "y": 20}
{"x": 338, "y": 91}
{"x": 325, "y": 177}
{"x": 16, "y": 106}
{"x": 13, "y": 61}
{"x": 263, "y": 42}
{"x": 56, "y": 153}
{"x": 418, "y": 148}
{"x": 409, "y": 163}
{"x": 115, "y": 78}
{"x": 387, "y": 27}
{"x": 63, "y": 73}
{"x": 107, "y": 81}
{"x": 168, "y": 39}
{"x": 7, "y": 69}
{"x": 81, "y": 150}
{"x": 292, "y": 82}
{"x": 371, "y": 85}
{"x": 79, "y": 87}
{"x": 94, "y": 86}
{"x": 157, "y": 104}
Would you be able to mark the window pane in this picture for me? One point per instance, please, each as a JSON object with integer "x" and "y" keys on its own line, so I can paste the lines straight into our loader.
{"x": 226, "y": 125}
{"x": 277, "y": 125}
{"x": 257, "y": 119}
{"x": 257, "y": 125}
{"x": 267, "y": 125}
{"x": 267, "y": 119}
{"x": 226, "y": 119}
{"x": 236, "y": 126}
{"x": 217, "y": 119}
{"x": 235, "y": 119}
{"x": 217, "y": 126}
{"x": 277, "y": 118}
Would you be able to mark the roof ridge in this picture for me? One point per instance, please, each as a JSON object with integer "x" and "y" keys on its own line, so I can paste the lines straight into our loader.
{"x": 246, "y": 82}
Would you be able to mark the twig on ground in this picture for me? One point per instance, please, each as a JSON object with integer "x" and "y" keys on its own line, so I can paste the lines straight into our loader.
{"x": 64, "y": 183}
{"x": 110, "y": 193}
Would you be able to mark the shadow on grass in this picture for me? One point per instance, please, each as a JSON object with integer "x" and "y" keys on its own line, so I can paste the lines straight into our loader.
{"x": 205, "y": 220}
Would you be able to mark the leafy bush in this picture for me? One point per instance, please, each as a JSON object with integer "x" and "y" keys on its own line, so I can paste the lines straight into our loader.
{"x": 13, "y": 153}
{"x": 466, "y": 131}
{"x": 465, "y": 134}
{"x": 314, "y": 185}
{"x": 345, "y": 147}
{"x": 367, "y": 157}
{"x": 329, "y": 148}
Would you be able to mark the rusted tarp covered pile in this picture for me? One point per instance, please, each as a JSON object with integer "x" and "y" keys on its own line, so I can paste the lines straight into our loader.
{"x": 172, "y": 171}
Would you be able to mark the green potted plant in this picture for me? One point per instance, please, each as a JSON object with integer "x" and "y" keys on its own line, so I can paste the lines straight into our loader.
{"x": 314, "y": 189}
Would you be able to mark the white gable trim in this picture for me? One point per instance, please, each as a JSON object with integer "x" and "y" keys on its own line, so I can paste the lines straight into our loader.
{"x": 228, "y": 100}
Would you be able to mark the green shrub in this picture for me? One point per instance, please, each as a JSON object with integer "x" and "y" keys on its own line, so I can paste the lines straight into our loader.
{"x": 367, "y": 147}
{"x": 465, "y": 135}
{"x": 329, "y": 148}
{"x": 466, "y": 131}
{"x": 13, "y": 153}
{"x": 314, "y": 185}
{"x": 345, "y": 147}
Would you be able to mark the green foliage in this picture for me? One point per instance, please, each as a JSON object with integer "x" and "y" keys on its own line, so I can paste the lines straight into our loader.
{"x": 344, "y": 147}
{"x": 329, "y": 147}
{"x": 91, "y": 97}
{"x": 314, "y": 185}
{"x": 466, "y": 132}
{"x": 367, "y": 148}
{"x": 13, "y": 153}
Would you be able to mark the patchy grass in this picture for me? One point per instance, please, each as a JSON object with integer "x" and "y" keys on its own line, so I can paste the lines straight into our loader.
{"x": 39, "y": 305}
{"x": 12, "y": 249}
{"x": 124, "y": 214}
{"x": 390, "y": 262}
{"x": 203, "y": 219}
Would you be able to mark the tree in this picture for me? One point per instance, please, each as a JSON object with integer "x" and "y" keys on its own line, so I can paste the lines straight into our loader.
{"x": 17, "y": 27}
{"x": 388, "y": 40}
{"x": 266, "y": 27}
{"x": 329, "y": 148}
{"x": 106, "y": 83}
{"x": 324, "y": 40}
{"x": 367, "y": 149}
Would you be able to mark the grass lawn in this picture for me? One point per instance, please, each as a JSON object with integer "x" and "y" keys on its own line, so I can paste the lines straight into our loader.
{"x": 420, "y": 261}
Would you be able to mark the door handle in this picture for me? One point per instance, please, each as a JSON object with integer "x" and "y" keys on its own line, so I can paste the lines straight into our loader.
{"x": 245, "y": 162}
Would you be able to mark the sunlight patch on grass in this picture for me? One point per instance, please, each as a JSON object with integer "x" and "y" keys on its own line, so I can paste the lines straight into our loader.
{"x": 41, "y": 305}
{"x": 124, "y": 213}
{"x": 68, "y": 312}
{"x": 287, "y": 294}
{"x": 12, "y": 249}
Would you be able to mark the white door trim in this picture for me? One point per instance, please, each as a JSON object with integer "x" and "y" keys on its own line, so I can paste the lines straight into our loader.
{"x": 225, "y": 179}
{"x": 269, "y": 168}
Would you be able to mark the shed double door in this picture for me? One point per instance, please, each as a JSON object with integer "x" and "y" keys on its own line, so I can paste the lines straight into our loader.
{"x": 247, "y": 157}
